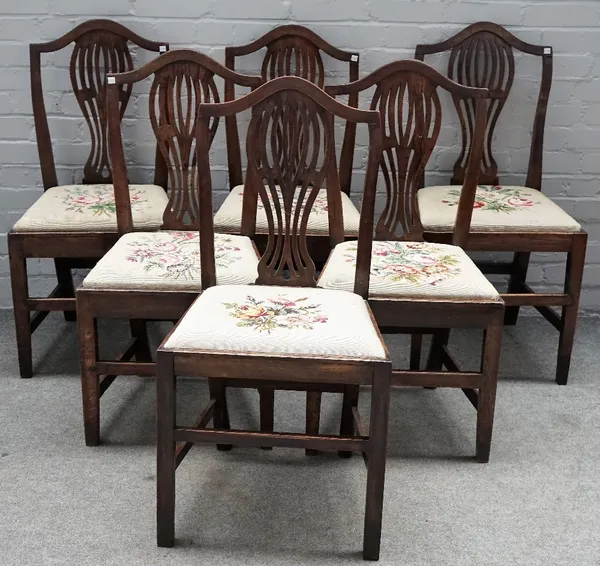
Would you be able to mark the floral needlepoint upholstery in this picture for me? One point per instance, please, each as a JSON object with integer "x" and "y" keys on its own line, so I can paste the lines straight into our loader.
{"x": 274, "y": 320}
{"x": 91, "y": 208}
{"x": 496, "y": 209}
{"x": 410, "y": 270}
{"x": 170, "y": 260}
{"x": 228, "y": 219}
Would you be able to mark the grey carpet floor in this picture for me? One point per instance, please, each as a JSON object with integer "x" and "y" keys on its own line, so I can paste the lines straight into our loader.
{"x": 536, "y": 503}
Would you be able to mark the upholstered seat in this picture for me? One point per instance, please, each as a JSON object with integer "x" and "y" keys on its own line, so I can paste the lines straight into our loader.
{"x": 228, "y": 218}
{"x": 170, "y": 260}
{"x": 91, "y": 208}
{"x": 411, "y": 270}
{"x": 275, "y": 320}
{"x": 496, "y": 209}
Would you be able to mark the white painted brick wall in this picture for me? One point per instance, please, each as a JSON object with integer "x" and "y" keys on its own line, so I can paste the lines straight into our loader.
{"x": 382, "y": 30}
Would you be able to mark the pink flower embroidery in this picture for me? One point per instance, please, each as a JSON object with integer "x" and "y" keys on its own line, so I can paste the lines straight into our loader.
{"x": 518, "y": 202}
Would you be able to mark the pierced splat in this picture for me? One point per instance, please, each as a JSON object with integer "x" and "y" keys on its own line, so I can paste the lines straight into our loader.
{"x": 290, "y": 156}
{"x": 95, "y": 54}
{"x": 483, "y": 60}
{"x": 293, "y": 56}
{"x": 174, "y": 97}
{"x": 411, "y": 119}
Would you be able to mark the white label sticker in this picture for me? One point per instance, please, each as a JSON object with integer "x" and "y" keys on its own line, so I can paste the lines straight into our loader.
{"x": 547, "y": 50}
{"x": 162, "y": 49}
{"x": 354, "y": 58}
{"x": 111, "y": 80}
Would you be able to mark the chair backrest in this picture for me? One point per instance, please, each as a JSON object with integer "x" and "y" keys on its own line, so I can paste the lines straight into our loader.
{"x": 290, "y": 50}
{"x": 482, "y": 55}
{"x": 101, "y": 47}
{"x": 291, "y": 156}
{"x": 406, "y": 96}
{"x": 182, "y": 79}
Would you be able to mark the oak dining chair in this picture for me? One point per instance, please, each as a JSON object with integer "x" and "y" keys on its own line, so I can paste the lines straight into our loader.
{"x": 417, "y": 286}
{"x": 76, "y": 224}
{"x": 156, "y": 275}
{"x": 508, "y": 218}
{"x": 290, "y": 50}
{"x": 283, "y": 329}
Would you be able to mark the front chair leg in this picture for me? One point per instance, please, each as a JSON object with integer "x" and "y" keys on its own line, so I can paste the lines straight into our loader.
{"x": 377, "y": 448}
{"x": 492, "y": 340}
{"x": 88, "y": 356}
{"x": 313, "y": 416}
{"x": 573, "y": 278}
{"x": 518, "y": 276}
{"x": 64, "y": 276}
{"x": 165, "y": 450}
{"x": 20, "y": 294}
{"x": 218, "y": 392}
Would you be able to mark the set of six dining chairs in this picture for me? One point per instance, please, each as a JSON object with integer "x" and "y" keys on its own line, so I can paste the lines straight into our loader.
{"x": 289, "y": 286}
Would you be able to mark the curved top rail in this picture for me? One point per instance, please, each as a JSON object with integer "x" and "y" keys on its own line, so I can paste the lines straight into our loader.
{"x": 407, "y": 65}
{"x": 296, "y": 84}
{"x": 98, "y": 25}
{"x": 474, "y": 29}
{"x": 183, "y": 55}
{"x": 291, "y": 30}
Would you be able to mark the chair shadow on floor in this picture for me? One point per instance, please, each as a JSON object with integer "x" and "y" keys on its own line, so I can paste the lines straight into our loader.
{"x": 250, "y": 500}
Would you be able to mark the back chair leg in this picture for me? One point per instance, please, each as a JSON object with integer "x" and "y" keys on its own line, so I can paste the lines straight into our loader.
{"x": 350, "y": 401}
{"x": 492, "y": 340}
{"x": 313, "y": 416}
{"x": 139, "y": 331}
{"x": 416, "y": 346}
{"x": 165, "y": 450}
{"x": 517, "y": 277}
{"x": 573, "y": 279}
{"x": 64, "y": 277}
{"x": 380, "y": 404}
{"x": 90, "y": 387}
{"x": 20, "y": 294}
{"x": 267, "y": 411}
{"x": 218, "y": 392}
{"x": 439, "y": 340}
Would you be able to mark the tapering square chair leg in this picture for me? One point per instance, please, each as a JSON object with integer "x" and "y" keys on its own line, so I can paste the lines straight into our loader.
{"x": 218, "y": 392}
{"x": 440, "y": 339}
{"x": 267, "y": 411}
{"x": 350, "y": 401}
{"x": 20, "y": 294}
{"x": 165, "y": 450}
{"x": 313, "y": 416}
{"x": 90, "y": 386}
{"x": 517, "y": 277}
{"x": 139, "y": 331}
{"x": 64, "y": 277}
{"x": 416, "y": 346}
{"x": 377, "y": 453}
{"x": 573, "y": 279}
{"x": 487, "y": 392}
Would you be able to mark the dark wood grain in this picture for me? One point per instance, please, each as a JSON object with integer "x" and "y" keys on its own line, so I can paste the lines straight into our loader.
{"x": 181, "y": 79}
{"x": 407, "y": 98}
{"x": 407, "y": 95}
{"x": 290, "y": 153}
{"x": 99, "y": 46}
{"x": 483, "y": 55}
{"x": 291, "y": 50}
